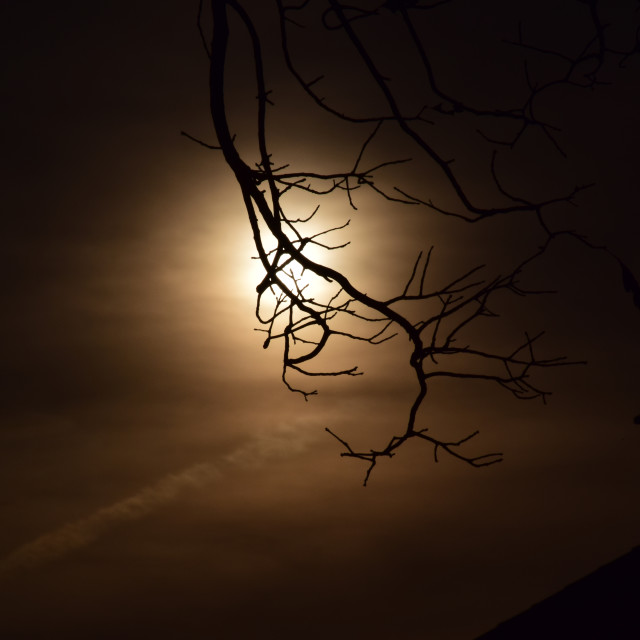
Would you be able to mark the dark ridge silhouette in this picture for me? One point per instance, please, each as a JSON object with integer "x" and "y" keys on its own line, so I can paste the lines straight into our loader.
{"x": 630, "y": 284}
{"x": 604, "y": 604}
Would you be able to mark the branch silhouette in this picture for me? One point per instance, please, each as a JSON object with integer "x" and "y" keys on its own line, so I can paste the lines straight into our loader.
{"x": 303, "y": 303}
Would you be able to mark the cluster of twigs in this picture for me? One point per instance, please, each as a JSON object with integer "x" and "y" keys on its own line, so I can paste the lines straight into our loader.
{"x": 304, "y": 303}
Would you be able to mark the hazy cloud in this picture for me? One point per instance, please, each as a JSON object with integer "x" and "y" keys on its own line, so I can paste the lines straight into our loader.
{"x": 82, "y": 532}
{"x": 287, "y": 439}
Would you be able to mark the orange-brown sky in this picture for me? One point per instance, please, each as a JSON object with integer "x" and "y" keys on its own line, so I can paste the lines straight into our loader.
{"x": 158, "y": 480}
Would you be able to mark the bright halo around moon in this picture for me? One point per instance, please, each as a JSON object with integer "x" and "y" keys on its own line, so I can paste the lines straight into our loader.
{"x": 293, "y": 277}
{"x": 325, "y": 237}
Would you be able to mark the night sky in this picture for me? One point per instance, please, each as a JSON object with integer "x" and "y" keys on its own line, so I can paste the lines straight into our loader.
{"x": 157, "y": 479}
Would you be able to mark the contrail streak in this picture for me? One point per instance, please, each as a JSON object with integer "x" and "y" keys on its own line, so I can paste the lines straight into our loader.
{"x": 82, "y": 532}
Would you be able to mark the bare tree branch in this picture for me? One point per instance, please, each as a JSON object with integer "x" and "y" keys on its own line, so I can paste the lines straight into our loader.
{"x": 305, "y": 303}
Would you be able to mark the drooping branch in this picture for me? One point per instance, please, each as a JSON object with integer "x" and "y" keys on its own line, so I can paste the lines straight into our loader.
{"x": 305, "y": 304}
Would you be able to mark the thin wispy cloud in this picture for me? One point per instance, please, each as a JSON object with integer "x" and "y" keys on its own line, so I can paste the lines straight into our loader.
{"x": 82, "y": 532}
{"x": 286, "y": 440}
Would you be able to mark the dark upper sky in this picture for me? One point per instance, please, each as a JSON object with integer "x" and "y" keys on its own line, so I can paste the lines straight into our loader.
{"x": 156, "y": 476}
